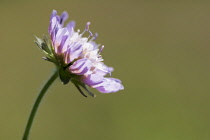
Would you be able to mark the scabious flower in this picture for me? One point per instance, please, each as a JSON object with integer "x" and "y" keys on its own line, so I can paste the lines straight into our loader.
{"x": 77, "y": 58}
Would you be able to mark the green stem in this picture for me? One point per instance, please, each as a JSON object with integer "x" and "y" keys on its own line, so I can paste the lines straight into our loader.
{"x": 36, "y": 104}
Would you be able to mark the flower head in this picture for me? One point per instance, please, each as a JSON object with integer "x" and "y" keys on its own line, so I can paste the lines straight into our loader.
{"x": 77, "y": 58}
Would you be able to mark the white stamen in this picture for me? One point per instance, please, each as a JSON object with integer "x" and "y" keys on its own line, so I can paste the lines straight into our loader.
{"x": 90, "y": 34}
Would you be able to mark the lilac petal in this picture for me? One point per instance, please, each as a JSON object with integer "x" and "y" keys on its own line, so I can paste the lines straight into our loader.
{"x": 63, "y": 44}
{"x": 53, "y": 21}
{"x": 67, "y": 57}
{"x": 54, "y": 13}
{"x": 64, "y": 16}
{"x": 70, "y": 26}
{"x": 52, "y": 35}
{"x": 74, "y": 51}
{"x": 116, "y": 80}
{"x": 60, "y": 33}
{"x": 58, "y": 38}
{"x": 95, "y": 45}
{"x": 109, "y": 85}
{"x": 54, "y": 32}
{"x": 53, "y": 24}
{"x": 104, "y": 70}
{"x": 80, "y": 67}
{"x": 92, "y": 79}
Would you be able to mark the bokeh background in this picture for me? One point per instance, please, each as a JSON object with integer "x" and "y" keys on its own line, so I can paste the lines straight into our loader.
{"x": 159, "y": 49}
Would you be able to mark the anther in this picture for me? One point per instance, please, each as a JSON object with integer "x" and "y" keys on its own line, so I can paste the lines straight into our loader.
{"x": 101, "y": 49}
{"x": 95, "y": 36}
{"x": 87, "y": 26}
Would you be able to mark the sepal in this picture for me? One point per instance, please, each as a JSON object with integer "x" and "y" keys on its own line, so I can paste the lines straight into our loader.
{"x": 79, "y": 84}
{"x": 64, "y": 77}
{"x": 79, "y": 89}
{"x": 43, "y": 45}
{"x": 48, "y": 59}
{"x": 88, "y": 91}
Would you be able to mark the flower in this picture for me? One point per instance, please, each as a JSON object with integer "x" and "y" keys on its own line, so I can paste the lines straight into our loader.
{"x": 77, "y": 58}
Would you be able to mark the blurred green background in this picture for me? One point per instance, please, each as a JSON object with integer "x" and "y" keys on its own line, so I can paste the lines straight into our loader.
{"x": 159, "y": 49}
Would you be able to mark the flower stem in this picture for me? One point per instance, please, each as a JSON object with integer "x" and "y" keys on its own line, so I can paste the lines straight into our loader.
{"x": 36, "y": 104}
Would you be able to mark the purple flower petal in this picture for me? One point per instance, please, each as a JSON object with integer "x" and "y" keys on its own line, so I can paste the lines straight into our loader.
{"x": 109, "y": 85}
{"x": 61, "y": 35}
{"x": 64, "y": 16}
{"x": 92, "y": 79}
{"x": 63, "y": 45}
{"x": 116, "y": 80}
{"x": 54, "y": 13}
{"x": 80, "y": 67}
{"x": 74, "y": 52}
{"x": 53, "y": 24}
{"x": 70, "y": 26}
{"x": 103, "y": 69}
